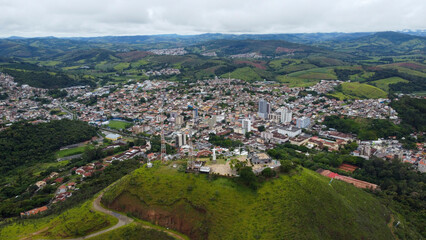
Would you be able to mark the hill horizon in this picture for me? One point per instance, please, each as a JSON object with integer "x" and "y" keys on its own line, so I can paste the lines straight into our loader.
{"x": 415, "y": 32}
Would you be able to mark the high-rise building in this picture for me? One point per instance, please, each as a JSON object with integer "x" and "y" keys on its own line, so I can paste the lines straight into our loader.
{"x": 173, "y": 115}
{"x": 180, "y": 139}
{"x": 179, "y": 120}
{"x": 246, "y": 125}
{"x": 303, "y": 122}
{"x": 212, "y": 122}
{"x": 285, "y": 114}
{"x": 195, "y": 113}
{"x": 264, "y": 109}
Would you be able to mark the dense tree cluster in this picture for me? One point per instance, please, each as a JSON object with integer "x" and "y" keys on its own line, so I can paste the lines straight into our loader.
{"x": 45, "y": 79}
{"x": 402, "y": 188}
{"x": 223, "y": 142}
{"x": 56, "y": 93}
{"x": 343, "y": 74}
{"x": 3, "y": 96}
{"x": 416, "y": 83}
{"x": 366, "y": 129}
{"x": 412, "y": 111}
{"x": 156, "y": 146}
{"x": 25, "y": 143}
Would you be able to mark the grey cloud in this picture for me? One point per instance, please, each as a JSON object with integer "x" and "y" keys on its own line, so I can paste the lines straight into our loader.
{"x": 132, "y": 17}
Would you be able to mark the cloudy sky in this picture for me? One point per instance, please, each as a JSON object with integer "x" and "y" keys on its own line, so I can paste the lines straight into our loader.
{"x": 62, "y": 18}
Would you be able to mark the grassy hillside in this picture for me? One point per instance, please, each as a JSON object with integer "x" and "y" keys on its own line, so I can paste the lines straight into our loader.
{"x": 75, "y": 222}
{"x": 316, "y": 73}
{"x": 302, "y": 206}
{"x": 384, "y": 83}
{"x": 133, "y": 231}
{"x": 380, "y": 44}
{"x": 355, "y": 90}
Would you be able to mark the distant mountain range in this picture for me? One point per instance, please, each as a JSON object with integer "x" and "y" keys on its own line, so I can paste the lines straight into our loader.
{"x": 357, "y": 44}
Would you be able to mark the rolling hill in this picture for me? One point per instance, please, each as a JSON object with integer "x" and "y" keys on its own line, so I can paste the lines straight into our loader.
{"x": 355, "y": 90}
{"x": 380, "y": 44}
{"x": 301, "y": 206}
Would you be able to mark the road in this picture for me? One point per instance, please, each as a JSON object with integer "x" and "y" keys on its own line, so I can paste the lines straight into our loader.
{"x": 74, "y": 116}
{"x": 122, "y": 220}
{"x": 69, "y": 157}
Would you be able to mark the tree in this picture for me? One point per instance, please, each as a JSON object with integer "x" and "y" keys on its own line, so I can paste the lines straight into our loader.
{"x": 268, "y": 172}
{"x": 286, "y": 166}
{"x": 247, "y": 177}
{"x": 261, "y": 128}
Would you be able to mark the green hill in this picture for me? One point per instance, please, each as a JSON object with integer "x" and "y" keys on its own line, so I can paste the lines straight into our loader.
{"x": 302, "y": 206}
{"x": 384, "y": 83}
{"x": 355, "y": 90}
{"x": 380, "y": 44}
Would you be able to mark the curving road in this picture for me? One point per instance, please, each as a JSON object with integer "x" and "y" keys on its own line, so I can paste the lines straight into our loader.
{"x": 122, "y": 219}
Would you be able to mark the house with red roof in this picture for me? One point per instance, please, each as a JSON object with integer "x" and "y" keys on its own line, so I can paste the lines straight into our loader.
{"x": 34, "y": 211}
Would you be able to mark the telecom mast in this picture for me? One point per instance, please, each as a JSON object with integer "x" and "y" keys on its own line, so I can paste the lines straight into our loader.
{"x": 163, "y": 140}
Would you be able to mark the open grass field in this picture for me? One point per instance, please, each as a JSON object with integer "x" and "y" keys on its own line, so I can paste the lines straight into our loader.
{"x": 245, "y": 73}
{"x": 384, "y": 83}
{"x": 121, "y": 66}
{"x": 119, "y": 124}
{"x": 298, "y": 67}
{"x": 355, "y": 90}
{"x": 296, "y": 82}
{"x": 44, "y": 166}
{"x": 315, "y": 73}
{"x": 298, "y": 206}
{"x": 71, "y": 151}
{"x": 75, "y": 222}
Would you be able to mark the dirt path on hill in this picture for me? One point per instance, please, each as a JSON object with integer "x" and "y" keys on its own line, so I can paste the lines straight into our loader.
{"x": 122, "y": 220}
{"x": 390, "y": 225}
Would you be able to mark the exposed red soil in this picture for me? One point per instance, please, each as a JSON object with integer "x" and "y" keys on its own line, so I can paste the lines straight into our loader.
{"x": 286, "y": 50}
{"x": 413, "y": 66}
{"x": 256, "y": 64}
{"x": 180, "y": 216}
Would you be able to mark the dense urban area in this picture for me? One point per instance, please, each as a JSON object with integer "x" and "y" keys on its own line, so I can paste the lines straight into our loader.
{"x": 63, "y": 147}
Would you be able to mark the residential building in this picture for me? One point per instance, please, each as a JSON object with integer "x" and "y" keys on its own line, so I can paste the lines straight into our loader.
{"x": 290, "y": 131}
{"x": 285, "y": 114}
{"x": 246, "y": 125}
{"x": 264, "y": 109}
{"x": 303, "y": 122}
{"x": 179, "y": 120}
{"x": 180, "y": 139}
{"x": 259, "y": 158}
{"x": 422, "y": 166}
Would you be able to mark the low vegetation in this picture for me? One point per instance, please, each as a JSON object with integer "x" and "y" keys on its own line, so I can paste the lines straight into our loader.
{"x": 401, "y": 187}
{"x": 134, "y": 231}
{"x": 384, "y": 83}
{"x": 205, "y": 207}
{"x": 72, "y": 151}
{"x": 355, "y": 90}
{"x": 75, "y": 222}
{"x": 119, "y": 125}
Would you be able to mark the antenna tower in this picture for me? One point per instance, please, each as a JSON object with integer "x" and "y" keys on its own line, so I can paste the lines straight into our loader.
{"x": 163, "y": 140}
